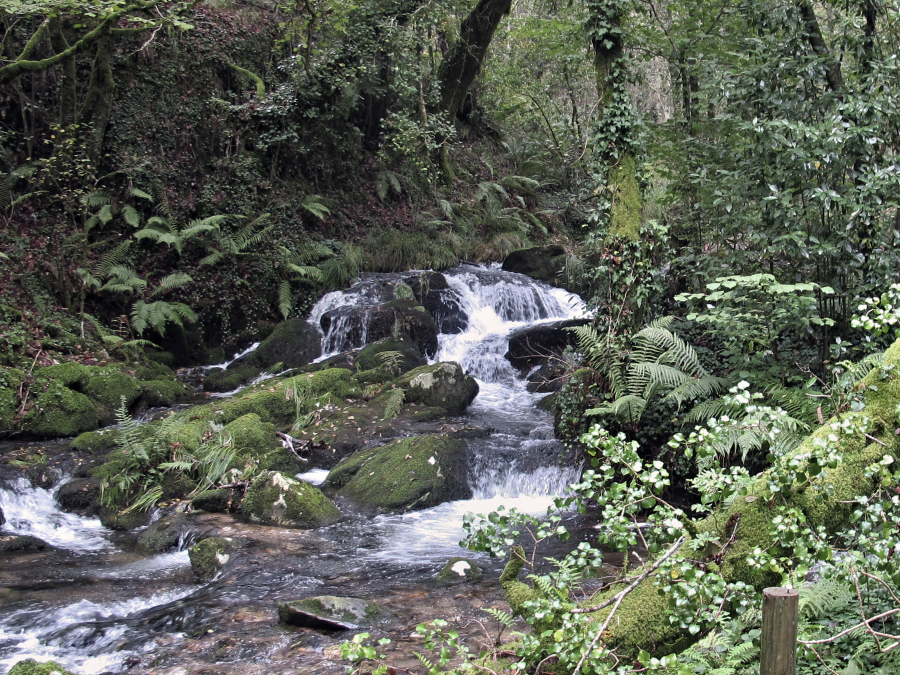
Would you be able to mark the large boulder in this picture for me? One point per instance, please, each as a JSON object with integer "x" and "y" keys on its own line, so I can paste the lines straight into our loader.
{"x": 58, "y": 411}
{"x": 410, "y": 356}
{"x": 109, "y": 387}
{"x": 293, "y": 343}
{"x": 440, "y": 385}
{"x": 276, "y": 498}
{"x": 405, "y": 475}
{"x": 545, "y": 263}
{"x": 223, "y": 380}
{"x": 537, "y": 353}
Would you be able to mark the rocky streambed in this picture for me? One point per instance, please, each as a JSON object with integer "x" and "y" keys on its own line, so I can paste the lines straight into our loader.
{"x": 418, "y": 400}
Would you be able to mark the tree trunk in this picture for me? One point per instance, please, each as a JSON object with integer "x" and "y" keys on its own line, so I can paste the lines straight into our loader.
{"x": 67, "y": 87}
{"x": 462, "y": 63}
{"x": 98, "y": 101}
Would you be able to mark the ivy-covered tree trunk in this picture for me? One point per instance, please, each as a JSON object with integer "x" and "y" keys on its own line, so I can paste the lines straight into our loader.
{"x": 615, "y": 113}
{"x": 67, "y": 90}
{"x": 462, "y": 62}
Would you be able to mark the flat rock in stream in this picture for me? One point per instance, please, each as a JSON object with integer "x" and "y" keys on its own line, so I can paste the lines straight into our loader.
{"x": 19, "y": 543}
{"x": 329, "y": 612}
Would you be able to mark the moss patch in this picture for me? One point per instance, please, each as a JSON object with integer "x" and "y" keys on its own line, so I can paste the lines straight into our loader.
{"x": 442, "y": 385}
{"x": 278, "y": 499}
{"x": 58, "y": 411}
{"x": 404, "y": 475}
{"x": 250, "y": 436}
{"x": 209, "y": 556}
{"x": 160, "y": 393}
{"x": 95, "y": 441}
{"x": 32, "y": 667}
{"x": 10, "y": 379}
{"x": 70, "y": 374}
{"x": 108, "y": 387}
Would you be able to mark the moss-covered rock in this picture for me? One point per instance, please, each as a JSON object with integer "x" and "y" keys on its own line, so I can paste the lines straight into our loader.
{"x": 410, "y": 356}
{"x": 282, "y": 459}
{"x": 415, "y": 324}
{"x": 276, "y": 498}
{"x": 294, "y": 343}
{"x": 163, "y": 393}
{"x": 458, "y": 570}
{"x": 70, "y": 373}
{"x": 209, "y": 556}
{"x": 404, "y": 475}
{"x": 153, "y": 371}
{"x": 116, "y": 520}
{"x": 59, "y": 411}
{"x": 108, "y": 387}
{"x": 164, "y": 535}
{"x": 95, "y": 441}
{"x": 223, "y": 380}
{"x": 32, "y": 667}
{"x": 216, "y": 501}
{"x": 442, "y": 385}
{"x": 10, "y": 379}
{"x": 328, "y": 612}
{"x": 250, "y": 436}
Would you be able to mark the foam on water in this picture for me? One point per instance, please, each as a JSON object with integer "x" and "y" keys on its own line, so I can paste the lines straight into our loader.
{"x": 34, "y": 511}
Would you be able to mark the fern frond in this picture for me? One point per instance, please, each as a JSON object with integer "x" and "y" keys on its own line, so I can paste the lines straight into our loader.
{"x": 395, "y": 401}
{"x": 285, "y": 298}
{"x": 135, "y": 192}
{"x": 314, "y": 205}
{"x": 171, "y": 282}
{"x": 131, "y": 215}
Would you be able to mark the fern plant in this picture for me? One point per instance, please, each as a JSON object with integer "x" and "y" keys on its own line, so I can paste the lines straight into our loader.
{"x": 656, "y": 362}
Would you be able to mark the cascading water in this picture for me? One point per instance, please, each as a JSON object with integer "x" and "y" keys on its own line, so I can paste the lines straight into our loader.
{"x": 98, "y": 608}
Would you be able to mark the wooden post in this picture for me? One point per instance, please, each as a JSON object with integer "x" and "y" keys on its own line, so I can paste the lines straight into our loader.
{"x": 779, "y": 632}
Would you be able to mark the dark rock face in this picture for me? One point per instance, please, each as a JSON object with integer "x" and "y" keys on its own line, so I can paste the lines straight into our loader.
{"x": 167, "y": 534}
{"x": 293, "y": 343}
{"x": 81, "y": 495}
{"x": 16, "y": 543}
{"x": 545, "y": 263}
{"x": 536, "y": 352}
{"x": 350, "y": 327}
{"x": 435, "y": 294}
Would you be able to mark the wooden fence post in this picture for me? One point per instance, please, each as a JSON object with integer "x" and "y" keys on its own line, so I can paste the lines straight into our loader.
{"x": 779, "y": 632}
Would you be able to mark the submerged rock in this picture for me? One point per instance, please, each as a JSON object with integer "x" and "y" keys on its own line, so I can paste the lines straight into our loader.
{"x": 404, "y": 475}
{"x": 459, "y": 570}
{"x": 209, "y": 556}
{"x": 276, "y": 498}
{"x": 328, "y": 612}
{"x": 441, "y": 385}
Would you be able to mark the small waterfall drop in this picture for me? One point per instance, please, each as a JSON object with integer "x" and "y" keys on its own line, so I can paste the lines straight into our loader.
{"x": 34, "y": 511}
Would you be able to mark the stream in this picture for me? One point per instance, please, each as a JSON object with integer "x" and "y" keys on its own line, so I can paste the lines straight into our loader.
{"x": 93, "y": 604}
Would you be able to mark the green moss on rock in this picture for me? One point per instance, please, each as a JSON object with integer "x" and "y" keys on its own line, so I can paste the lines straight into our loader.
{"x": 209, "y": 556}
{"x": 222, "y": 380}
{"x": 10, "y": 379}
{"x": 32, "y": 667}
{"x": 458, "y": 570}
{"x": 411, "y": 357}
{"x": 404, "y": 475}
{"x": 276, "y": 498}
{"x": 215, "y": 501}
{"x": 115, "y": 520}
{"x": 282, "y": 459}
{"x": 294, "y": 343}
{"x": 352, "y": 611}
{"x": 250, "y": 436}
{"x": 69, "y": 373}
{"x": 95, "y": 441}
{"x": 159, "y": 393}
{"x": 108, "y": 387}
{"x": 58, "y": 411}
{"x": 154, "y": 371}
